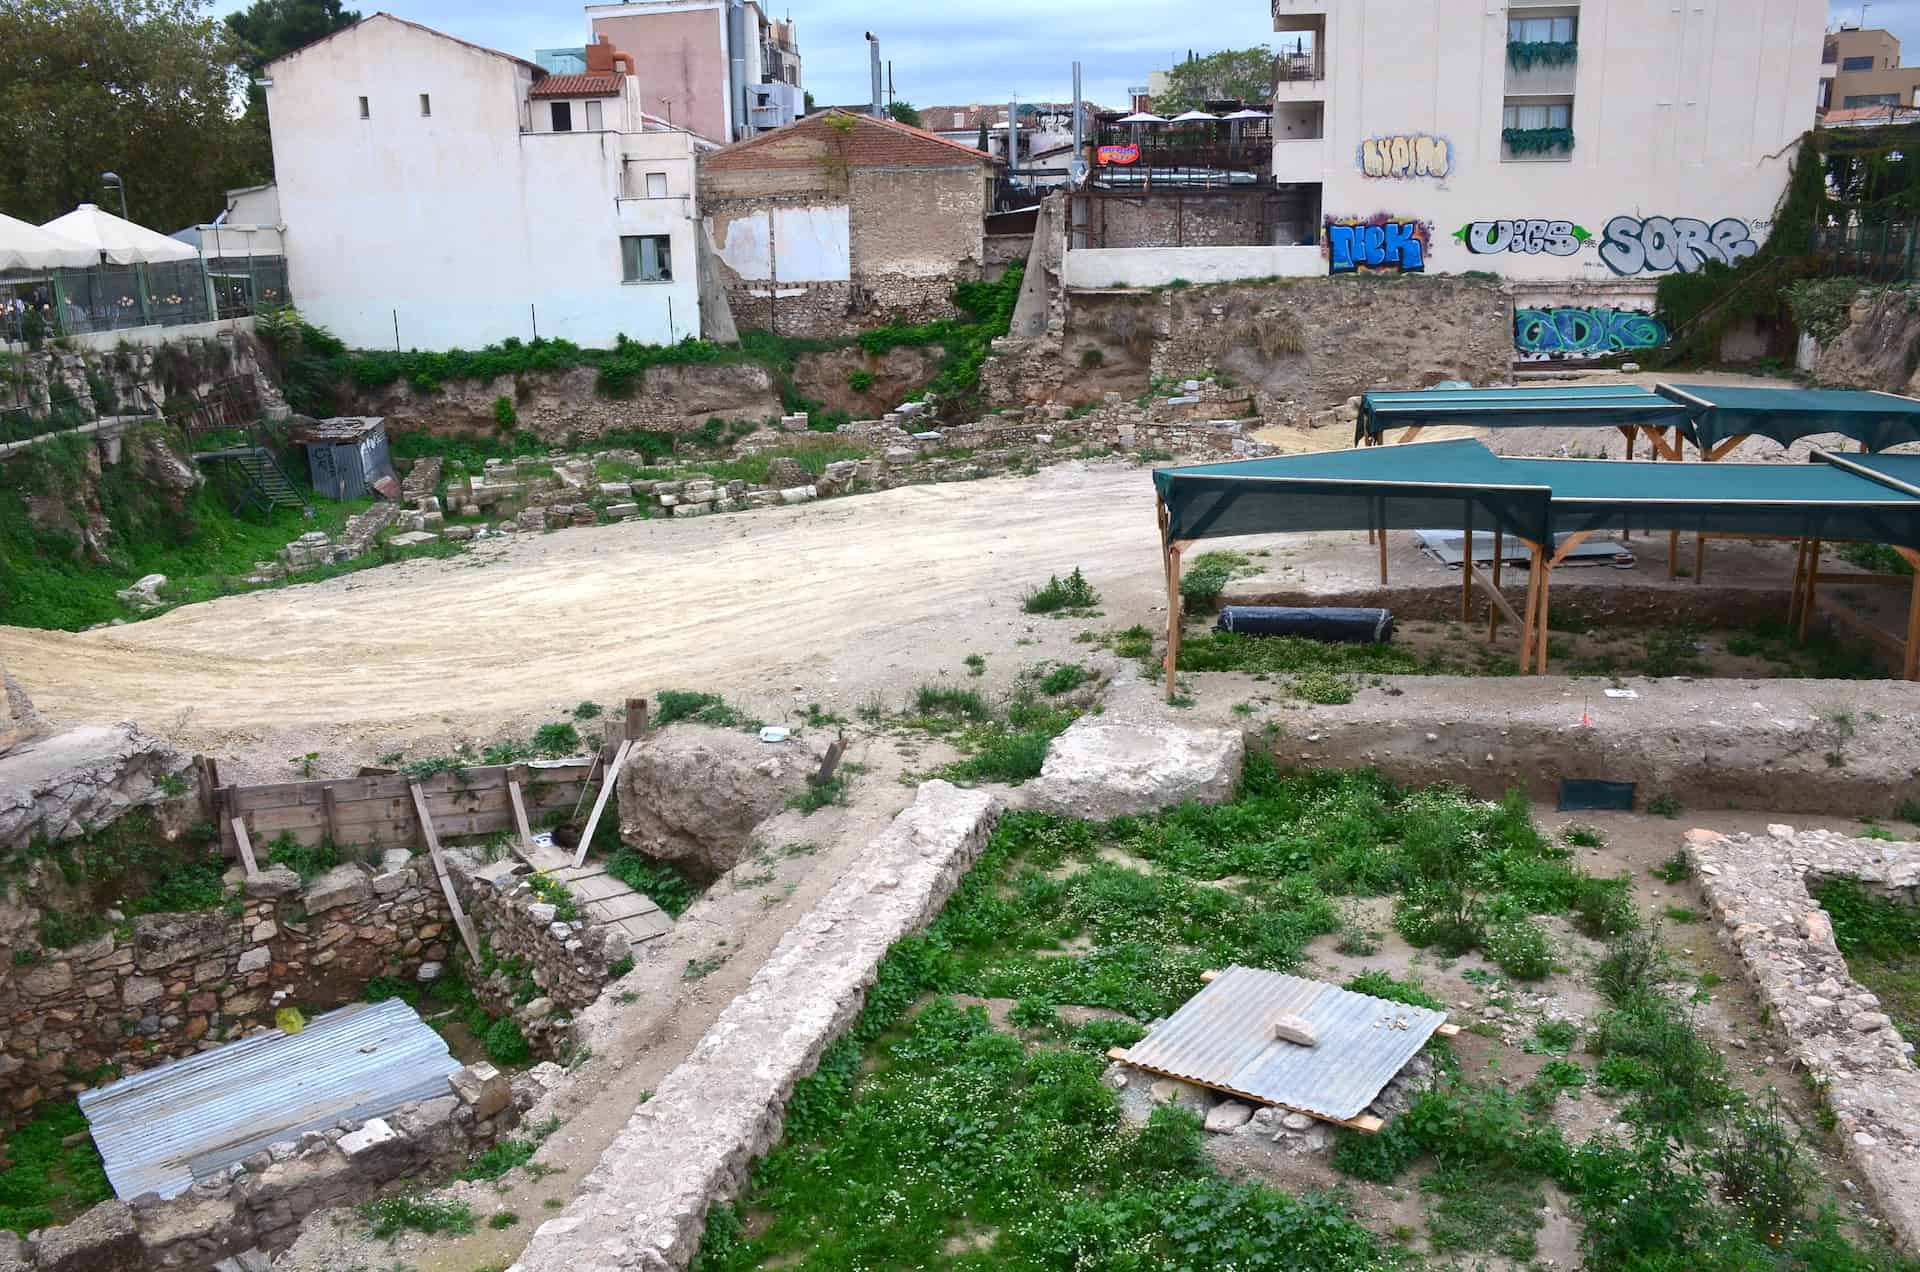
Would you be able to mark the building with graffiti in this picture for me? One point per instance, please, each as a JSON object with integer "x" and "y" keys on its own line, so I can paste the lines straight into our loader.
{"x": 1605, "y": 142}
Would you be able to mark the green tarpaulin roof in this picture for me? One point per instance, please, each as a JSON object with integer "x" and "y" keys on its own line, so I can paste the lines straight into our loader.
{"x": 1546, "y": 406}
{"x": 1877, "y": 420}
{"x": 1708, "y": 413}
{"x": 1430, "y": 484}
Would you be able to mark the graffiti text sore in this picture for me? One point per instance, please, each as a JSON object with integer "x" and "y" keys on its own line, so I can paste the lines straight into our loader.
{"x": 1380, "y": 243}
{"x": 1655, "y": 244}
{"x": 1412, "y": 155}
{"x": 1531, "y": 237}
{"x": 1548, "y": 333}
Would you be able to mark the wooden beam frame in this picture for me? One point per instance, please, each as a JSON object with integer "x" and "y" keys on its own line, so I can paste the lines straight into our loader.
{"x": 1466, "y": 571}
{"x": 468, "y": 936}
{"x": 600, "y": 800}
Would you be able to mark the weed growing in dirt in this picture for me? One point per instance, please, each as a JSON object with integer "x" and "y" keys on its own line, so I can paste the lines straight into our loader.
{"x": 976, "y": 664}
{"x": 701, "y": 968}
{"x": 390, "y": 1216}
{"x": 954, "y": 703}
{"x": 556, "y": 740}
{"x": 1208, "y": 576}
{"x": 1011, "y": 749}
{"x": 555, "y": 894}
{"x": 665, "y": 886}
{"x": 587, "y": 711}
{"x": 505, "y": 1044}
{"x": 508, "y": 1154}
{"x": 1881, "y": 940}
{"x": 1583, "y": 836}
{"x": 504, "y": 1219}
{"x": 1909, "y": 811}
{"x": 1323, "y": 688}
{"x": 1071, "y": 593}
{"x": 1064, "y": 679}
{"x": 674, "y": 705}
{"x": 1279, "y": 655}
{"x": 1675, "y": 868}
{"x": 309, "y": 861}
{"x": 819, "y": 795}
{"x": 1665, "y": 804}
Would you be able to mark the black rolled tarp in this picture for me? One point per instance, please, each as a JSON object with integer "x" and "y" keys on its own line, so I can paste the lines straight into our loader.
{"x": 1338, "y": 626}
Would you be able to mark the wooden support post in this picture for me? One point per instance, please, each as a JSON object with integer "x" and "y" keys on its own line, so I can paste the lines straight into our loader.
{"x": 1799, "y": 581}
{"x": 1546, "y": 617}
{"x": 1813, "y": 590}
{"x": 460, "y": 920}
{"x": 1173, "y": 617}
{"x": 1699, "y": 558}
{"x": 1530, "y": 624}
{"x": 246, "y": 848}
{"x": 1383, "y": 543}
{"x": 330, "y": 813}
{"x": 1499, "y": 559}
{"x": 208, "y": 782}
{"x": 519, "y": 812}
{"x": 636, "y": 719}
{"x": 1466, "y": 572}
{"x": 1913, "y": 628}
{"x": 1673, "y": 554}
{"x": 600, "y": 802}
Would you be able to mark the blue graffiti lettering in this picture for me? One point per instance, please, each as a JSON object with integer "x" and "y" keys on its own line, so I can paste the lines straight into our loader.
{"x": 1551, "y": 333}
{"x": 1656, "y": 244}
{"x": 1380, "y": 243}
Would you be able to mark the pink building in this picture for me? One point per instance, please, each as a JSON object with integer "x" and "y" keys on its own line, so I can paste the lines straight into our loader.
{"x": 720, "y": 68}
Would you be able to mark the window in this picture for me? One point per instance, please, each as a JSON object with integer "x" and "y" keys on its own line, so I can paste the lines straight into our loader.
{"x": 593, "y": 116}
{"x": 656, "y": 185}
{"x": 563, "y": 117}
{"x": 1543, "y": 115}
{"x": 426, "y": 106}
{"x": 646, "y": 258}
{"x": 959, "y": 119}
{"x": 1542, "y": 30}
{"x": 1857, "y": 64}
{"x": 1857, "y": 100}
{"x": 364, "y": 113}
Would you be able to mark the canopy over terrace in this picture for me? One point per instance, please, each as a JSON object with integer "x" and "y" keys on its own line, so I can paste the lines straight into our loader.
{"x": 1723, "y": 414}
{"x": 1537, "y": 500}
{"x": 1626, "y": 407}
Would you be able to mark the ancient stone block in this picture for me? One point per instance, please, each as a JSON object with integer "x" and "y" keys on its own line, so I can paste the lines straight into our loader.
{"x": 162, "y": 940}
{"x": 1100, "y": 770}
{"x": 482, "y": 1088}
{"x": 102, "y": 1240}
{"x": 343, "y": 885}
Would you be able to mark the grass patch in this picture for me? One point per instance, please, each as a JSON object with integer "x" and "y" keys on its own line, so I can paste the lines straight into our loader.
{"x": 1881, "y": 940}
{"x": 819, "y": 795}
{"x": 45, "y": 1182}
{"x": 660, "y": 882}
{"x": 1291, "y": 655}
{"x": 390, "y": 1216}
{"x": 671, "y": 706}
{"x": 952, "y": 702}
{"x": 1013, "y": 748}
{"x": 1064, "y": 679}
{"x": 1208, "y": 576}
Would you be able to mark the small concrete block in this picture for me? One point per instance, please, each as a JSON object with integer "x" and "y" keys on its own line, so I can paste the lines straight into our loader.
{"x": 412, "y": 539}
{"x": 622, "y": 511}
{"x": 369, "y": 1137}
{"x": 482, "y": 1088}
{"x": 273, "y": 881}
{"x": 342, "y": 885}
{"x": 1296, "y": 1029}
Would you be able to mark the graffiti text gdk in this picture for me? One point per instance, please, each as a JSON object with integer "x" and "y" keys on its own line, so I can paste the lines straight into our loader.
{"x": 1550, "y": 332}
{"x": 1631, "y": 245}
{"x": 1534, "y": 238}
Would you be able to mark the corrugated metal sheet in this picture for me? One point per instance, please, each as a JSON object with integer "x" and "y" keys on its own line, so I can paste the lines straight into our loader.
{"x": 161, "y": 1129}
{"x": 1223, "y": 1038}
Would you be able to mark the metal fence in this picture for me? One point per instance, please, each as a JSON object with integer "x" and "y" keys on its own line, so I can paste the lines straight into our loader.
{"x": 38, "y": 307}
{"x": 1885, "y": 252}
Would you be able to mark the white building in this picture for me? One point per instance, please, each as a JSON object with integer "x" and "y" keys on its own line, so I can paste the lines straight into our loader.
{"x": 1604, "y": 140}
{"x": 436, "y": 194}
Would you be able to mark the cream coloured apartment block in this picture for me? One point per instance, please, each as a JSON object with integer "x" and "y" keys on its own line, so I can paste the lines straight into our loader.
{"x": 1606, "y": 140}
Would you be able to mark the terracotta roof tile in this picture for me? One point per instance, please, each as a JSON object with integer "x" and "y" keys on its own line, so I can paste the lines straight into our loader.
{"x": 578, "y": 86}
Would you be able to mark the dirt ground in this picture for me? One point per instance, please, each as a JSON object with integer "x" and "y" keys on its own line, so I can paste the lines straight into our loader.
{"x": 828, "y": 603}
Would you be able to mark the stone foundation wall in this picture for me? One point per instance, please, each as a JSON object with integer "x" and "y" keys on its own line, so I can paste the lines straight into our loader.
{"x": 175, "y": 984}
{"x": 1757, "y": 889}
{"x": 255, "y": 1207}
{"x": 695, "y": 1141}
{"x": 545, "y": 968}
{"x": 1164, "y": 220}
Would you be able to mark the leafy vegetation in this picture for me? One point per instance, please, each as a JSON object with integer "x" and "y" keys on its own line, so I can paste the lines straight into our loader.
{"x": 1070, "y": 593}
{"x": 45, "y": 1181}
{"x": 309, "y": 861}
{"x": 1064, "y": 679}
{"x": 1012, "y": 747}
{"x": 390, "y": 1216}
{"x": 1881, "y": 940}
{"x": 130, "y": 865}
{"x": 670, "y": 706}
{"x": 658, "y": 881}
{"x": 1208, "y": 576}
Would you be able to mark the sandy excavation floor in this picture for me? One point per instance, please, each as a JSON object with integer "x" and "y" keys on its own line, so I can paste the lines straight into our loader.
{"x": 827, "y": 603}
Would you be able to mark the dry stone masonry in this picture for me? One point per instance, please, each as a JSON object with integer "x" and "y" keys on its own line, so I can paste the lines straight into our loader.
{"x": 1757, "y": 887}
{"x": 168, "y": 985}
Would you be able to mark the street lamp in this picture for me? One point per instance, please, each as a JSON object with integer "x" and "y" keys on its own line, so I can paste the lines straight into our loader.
{"x": 113, "y": 179}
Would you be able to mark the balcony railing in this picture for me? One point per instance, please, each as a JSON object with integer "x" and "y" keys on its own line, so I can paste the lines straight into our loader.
{"x": 1299, "y": 68}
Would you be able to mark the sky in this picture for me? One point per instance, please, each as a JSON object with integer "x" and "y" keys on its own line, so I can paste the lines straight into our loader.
{"x": 955, "y": 52}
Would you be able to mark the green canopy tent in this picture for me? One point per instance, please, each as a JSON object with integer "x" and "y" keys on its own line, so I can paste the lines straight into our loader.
{"x": 1726, "y": 415}
{"x": 1634, "y": 409}
{"x": 1552, "y": 505}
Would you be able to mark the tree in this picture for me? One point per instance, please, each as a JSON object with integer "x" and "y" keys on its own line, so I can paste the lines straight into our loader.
{"x": 143, "y": 88}
{"x": 1244, "y": 75}
{"x": 905, "y": 113}
{"x": 264, "y": 31}
{"x": 982, "y": 145}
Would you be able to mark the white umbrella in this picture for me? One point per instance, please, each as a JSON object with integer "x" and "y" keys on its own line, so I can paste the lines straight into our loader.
{"x": 1144, "y": 117}
{"x": 119, "y": 242}
{"x": 1247, "y": 114}
{"x": 24, "y": 245}
{"x": 1195, "y": 117}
